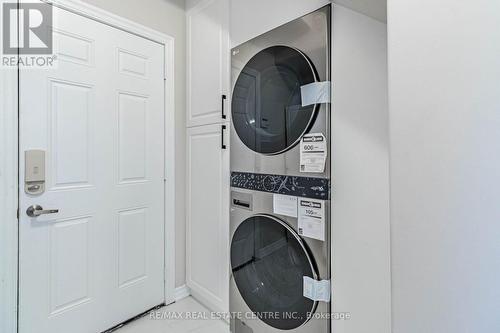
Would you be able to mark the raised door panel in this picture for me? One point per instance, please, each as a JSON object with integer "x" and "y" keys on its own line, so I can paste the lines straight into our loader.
{"x": 70, "y": 118}
{"x": 132, "y": 123}
{"x": 207, "y": 216}
{"x": 69, "y": 275}
{"x": 208, "y": 62}
{"x": 132, "y": 244}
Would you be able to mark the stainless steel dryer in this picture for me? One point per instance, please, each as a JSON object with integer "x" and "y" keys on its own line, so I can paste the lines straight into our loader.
{"x": 268, "y": 119}
{"x": 269, "y": 258}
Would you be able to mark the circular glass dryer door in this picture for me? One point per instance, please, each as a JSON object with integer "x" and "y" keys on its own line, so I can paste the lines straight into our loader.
{"x": 269, "y": 261}
{"x": 267, "y": 111}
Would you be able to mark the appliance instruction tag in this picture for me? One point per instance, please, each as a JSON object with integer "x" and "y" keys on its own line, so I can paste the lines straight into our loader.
{"x": 313, "y": 153}
{"x": 285, "y": 205}
{"x": 312, "y": 218}
{"x": 317, "y": 290}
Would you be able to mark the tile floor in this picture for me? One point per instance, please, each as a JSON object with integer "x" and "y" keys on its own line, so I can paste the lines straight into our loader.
{"x": 181, "y": 324}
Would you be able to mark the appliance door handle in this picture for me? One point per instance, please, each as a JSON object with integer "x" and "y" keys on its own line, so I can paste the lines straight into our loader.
{"x": 223, "y": 103}
{"x": 241, "y": 203}
{"x": 223, "y": 129}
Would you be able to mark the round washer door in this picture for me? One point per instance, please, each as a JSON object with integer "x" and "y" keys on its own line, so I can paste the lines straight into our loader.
{"x": 267, "y": 111}
{"x": 269, "y": 261}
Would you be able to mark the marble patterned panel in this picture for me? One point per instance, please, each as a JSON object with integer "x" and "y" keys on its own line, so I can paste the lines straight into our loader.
{"x": 308, "y": 187}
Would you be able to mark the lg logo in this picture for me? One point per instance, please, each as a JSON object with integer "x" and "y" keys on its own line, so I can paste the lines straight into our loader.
{"x": 27, "y": 28}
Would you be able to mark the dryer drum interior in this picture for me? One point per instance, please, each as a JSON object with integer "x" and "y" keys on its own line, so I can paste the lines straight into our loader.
{"x": 269, "y": 261}
{"x": 267, "y": 110}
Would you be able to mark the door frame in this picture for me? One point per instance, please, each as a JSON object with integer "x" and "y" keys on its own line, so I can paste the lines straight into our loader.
{"x": 9, "y": 168}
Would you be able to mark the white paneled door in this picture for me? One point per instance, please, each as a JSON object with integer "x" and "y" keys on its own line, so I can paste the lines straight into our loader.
{"x": 99, "y": 118}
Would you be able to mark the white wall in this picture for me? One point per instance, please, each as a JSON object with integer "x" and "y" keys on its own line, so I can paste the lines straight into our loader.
{"x": 167, "y": 16}
{"x": 360, "y": 174}
{"x": 252, "y": 18}
{"x": 444, "y": 75}
{"x": 376, "y": 9}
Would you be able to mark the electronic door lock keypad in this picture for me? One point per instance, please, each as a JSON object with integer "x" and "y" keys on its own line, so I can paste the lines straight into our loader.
{"x": 34, "y": 172}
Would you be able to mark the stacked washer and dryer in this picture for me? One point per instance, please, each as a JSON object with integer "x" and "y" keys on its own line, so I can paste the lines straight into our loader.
{"x": 274, "y": 261}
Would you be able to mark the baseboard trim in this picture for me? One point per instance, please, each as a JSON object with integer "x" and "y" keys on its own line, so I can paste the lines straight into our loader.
{"x": 181, "y": 293}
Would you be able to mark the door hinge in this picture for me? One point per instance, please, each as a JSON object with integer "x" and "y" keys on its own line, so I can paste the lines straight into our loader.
{"x": 17, "y": 213}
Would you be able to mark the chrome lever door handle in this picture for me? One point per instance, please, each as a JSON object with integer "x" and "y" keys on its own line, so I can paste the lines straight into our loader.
{"x": 37, "y": 210}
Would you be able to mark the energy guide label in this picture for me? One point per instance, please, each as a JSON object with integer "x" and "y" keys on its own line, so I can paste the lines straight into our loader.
{"x": 313, "y": 153}
{"x": 312, "y": 218}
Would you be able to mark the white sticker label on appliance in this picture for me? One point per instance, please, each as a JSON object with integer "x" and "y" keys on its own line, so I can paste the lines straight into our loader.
{"x": 316, "y": 93}
{"x": 285, "y": 205}
{"x": 317, "y": 290}
{"x": 312, "y": 218}
{"x": 313, "y": 153}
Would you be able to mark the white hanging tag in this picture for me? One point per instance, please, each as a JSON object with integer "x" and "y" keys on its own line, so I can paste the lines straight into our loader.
{"x": 317, "y": 290}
